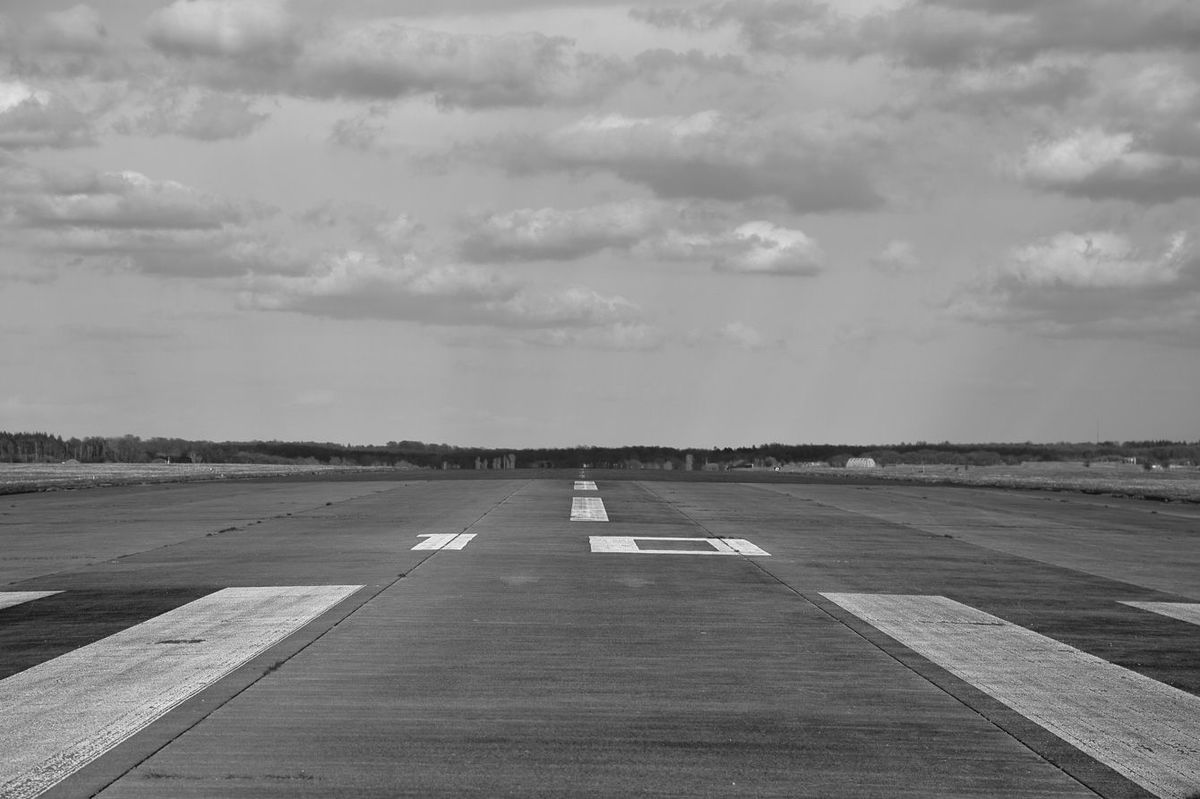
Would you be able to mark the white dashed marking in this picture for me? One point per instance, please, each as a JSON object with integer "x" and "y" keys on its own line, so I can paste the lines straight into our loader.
{"x": 10, "y": 598}
{"x": 703, "y": 546}
{"x": 64, "y": 713}
{"x": 1184, "y": 611}
{"x": 588, "y": 509}
{"x": 1148, "y": 731}
{"x": 585, "y": 485}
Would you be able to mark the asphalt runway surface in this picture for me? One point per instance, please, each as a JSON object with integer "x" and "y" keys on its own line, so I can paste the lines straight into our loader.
{"x": 569, "y": 634}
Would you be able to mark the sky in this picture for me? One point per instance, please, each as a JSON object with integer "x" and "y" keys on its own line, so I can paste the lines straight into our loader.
{"x": 514, "y": 223}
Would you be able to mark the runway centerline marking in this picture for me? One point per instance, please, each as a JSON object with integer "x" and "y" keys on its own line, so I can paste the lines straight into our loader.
{"x": 588, "y": 509}
{"x": 10, "y": 598}
{"x": 62, "y": 714}
{"x": 444, "y": 540}
{"x": 628, "y": 544}
{"x": 1141, "y": 728}
{"x": 585, "y": 485}
{"x": 1183, "y": 611}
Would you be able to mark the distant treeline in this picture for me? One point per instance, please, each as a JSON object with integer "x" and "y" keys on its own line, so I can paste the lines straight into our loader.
{"x": 47, "y": 448}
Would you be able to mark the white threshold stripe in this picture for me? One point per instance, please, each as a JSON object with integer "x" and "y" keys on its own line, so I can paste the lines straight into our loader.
{"x": 62, "y": 714}
{"x": 588, "y": 509}
{"x": 10, "y": 598}
{"x": 460, "y": 541}
{"x": 1184, "y": 611}
{"x": 1144, "y": 729}
{"x": 715, "y": 546}
{"x": 585, "y": 485}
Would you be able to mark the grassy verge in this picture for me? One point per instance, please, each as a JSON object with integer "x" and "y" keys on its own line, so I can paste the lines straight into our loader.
{"x": 17, "y": 478}
{"x": 1167, "y": 485}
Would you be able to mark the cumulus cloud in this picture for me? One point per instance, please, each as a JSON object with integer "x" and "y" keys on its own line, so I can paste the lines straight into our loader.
{"x": 947, "y": 34}
{"x": 358, "y": 284}
{"x": 128, "y": 220}
{"x": 78, "y": 29}
{"x": 1099, "y": 259}
{"x": 898, "y": 256}
{"x": 211, "y": 116}
{"x": 32, "y": 117}
{"x": 814, "y": 163}
{"x": 645, "y": 229}
{"x": 757, "y": 247}
{"x": 257, "y": 45}
{"x": 1096, "y": 283}
{"x": 1098, "y": 164}
{"x": 531, "y": 234}
{"x": 733, "y": 334}
{"x": 256, "y": 31}
{"x": 387, "y": 59}
{"x": 125, "y": 200}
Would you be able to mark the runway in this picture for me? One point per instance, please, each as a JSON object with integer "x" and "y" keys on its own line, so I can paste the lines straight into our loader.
{"x": 592, "y": 634}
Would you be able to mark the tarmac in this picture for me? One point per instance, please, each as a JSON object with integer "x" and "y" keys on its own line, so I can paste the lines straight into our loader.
{"x": 678, "y": 637}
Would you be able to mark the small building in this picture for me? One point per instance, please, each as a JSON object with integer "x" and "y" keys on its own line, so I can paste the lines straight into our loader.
{"x": 861, "y": 463}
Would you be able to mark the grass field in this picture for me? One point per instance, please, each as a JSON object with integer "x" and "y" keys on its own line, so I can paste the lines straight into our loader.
{"x": 23, "y": 477}
{"x": 1177, "y": 485}
{"x": 1173, "y": 485}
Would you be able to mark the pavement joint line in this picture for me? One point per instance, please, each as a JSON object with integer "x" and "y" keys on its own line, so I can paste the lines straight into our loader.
{"x": 336, "y": 623}
{"x": 762, "y": 566}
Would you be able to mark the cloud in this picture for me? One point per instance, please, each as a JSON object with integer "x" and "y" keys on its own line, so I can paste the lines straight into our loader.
{"x": 947, "y": 34}
{"x": 1098, "y": 283}
{"x": 1099, "y": 259}
{"x": 35, "y": 118}
{"x": 211, "y": 116}
{"x": 128, "y": 220}
{"x": 253, "y": 31}
{"x": 645, "y": 229}
{"x": 757, "y": 247}
{"x": 532, "y": 234}
{"x": 387, "y": 59}
{"x": 897, "y": 257}
{"x": 113, "y": 200}
{"x": 733, "y": 334}
{"x": 78, "y": 29}
{"x": 1097, "y": 164}
{"x": 814, "y": 163}
{"x": 364, "y": 285}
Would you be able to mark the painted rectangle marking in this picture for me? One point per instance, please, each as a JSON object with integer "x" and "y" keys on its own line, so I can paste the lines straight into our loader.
{"x": 444, "y": 540}
{"x": 60, "y": 715}
{"x": 9, "y": 599}
{"x": 704, "y": 546}
{"x": 435, "y": 540}
{"x": 585, "y": 485}
{"x": 1184, "y": 611}
{"x": 1144, "y": 729}
{"x": 588, "y": 509}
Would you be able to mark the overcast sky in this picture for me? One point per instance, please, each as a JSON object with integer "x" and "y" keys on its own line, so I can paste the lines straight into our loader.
{"x": 520, "y": 223}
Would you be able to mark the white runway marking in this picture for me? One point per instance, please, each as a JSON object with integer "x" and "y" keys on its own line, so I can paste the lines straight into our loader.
{"x": 585, "y": 485}
{"x": 588, "y": 509}
{"x": 10, "y": 598}
{"x": 62, "y": 714}
{"x": 1184, "y": 611}
{"x": 1148, "y": 731}
{"x": 705, "y": 546}
{"x": 444, "y": 540}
